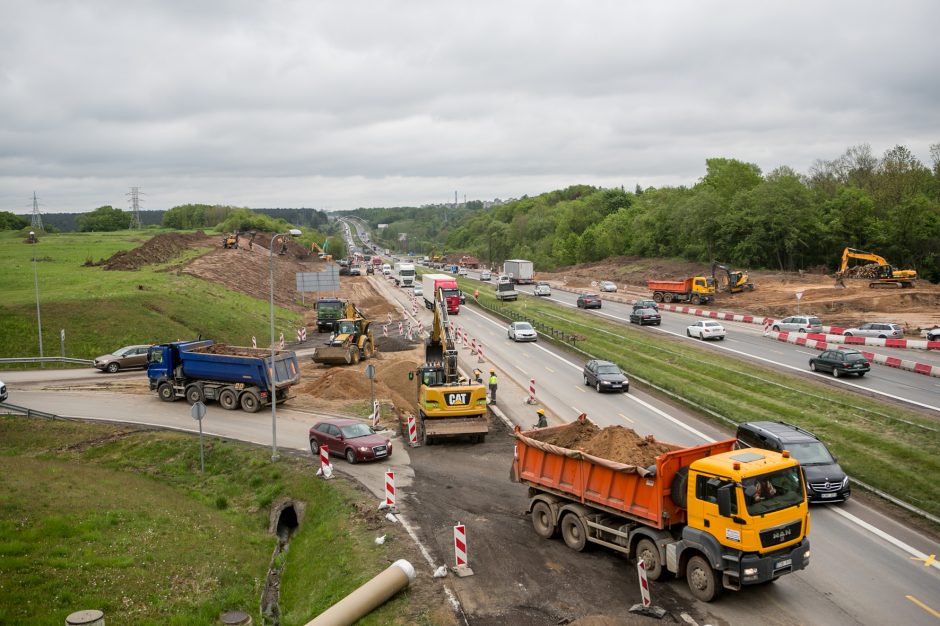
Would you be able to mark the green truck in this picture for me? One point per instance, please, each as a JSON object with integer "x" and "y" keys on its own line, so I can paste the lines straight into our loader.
{"x": 329, "y": 312}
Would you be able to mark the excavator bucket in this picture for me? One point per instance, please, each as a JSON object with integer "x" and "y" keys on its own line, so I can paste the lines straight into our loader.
{"x": 433, "y": 352}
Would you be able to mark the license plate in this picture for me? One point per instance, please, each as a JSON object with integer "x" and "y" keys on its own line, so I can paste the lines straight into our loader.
{"x": 783, "y": 563}
{"x": 614, "y": 384}
{"x": 828, "y": 495}
{"x": 381, "y": 453}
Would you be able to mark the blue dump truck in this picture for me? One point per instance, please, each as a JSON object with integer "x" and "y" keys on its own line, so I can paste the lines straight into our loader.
{"x": 233, "y": 376}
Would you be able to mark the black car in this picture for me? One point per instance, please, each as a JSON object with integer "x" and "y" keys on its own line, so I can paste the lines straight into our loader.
{"x": 840, "y": 362}
{"x": 825, "y": 480}
{"x": 646, "y": 316}
{"x": 645, "y": 304}
{"x": 605, "y": 376}
{"x": 589, "y": 301}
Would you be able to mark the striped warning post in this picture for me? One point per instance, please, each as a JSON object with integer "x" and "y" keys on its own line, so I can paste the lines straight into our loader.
{"x": 389, "y": 318}
{"x": 281, "y": 342}
{"x": 412, "y": 431}
{"x": 466, "y": 342}
{"x": 301, "y": 334}
{"x": 420, "y": 327}
{"x": 473, "y": 346}
{"x": 480, "y": 353}
{"x": 254, "y": 342}
{"x": 644, "y": 583}
{"x": 460, "y": 545}
{"x": 376, "y": 413}
{"x": 531, "y": 399}
{"x": 389, "y": 488}
{"x": 324, "y": 458}
{"x": 385, "y": 330}
{"x": 401, "y": 329}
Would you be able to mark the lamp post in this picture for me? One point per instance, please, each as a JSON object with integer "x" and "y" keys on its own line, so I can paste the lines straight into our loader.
{"x": 296, "y": 233}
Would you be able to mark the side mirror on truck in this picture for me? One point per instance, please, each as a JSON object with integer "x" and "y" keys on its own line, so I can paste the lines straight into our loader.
{"x": 724, "y": 500}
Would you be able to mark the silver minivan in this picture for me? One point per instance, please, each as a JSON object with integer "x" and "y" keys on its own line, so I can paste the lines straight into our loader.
{"x": 798, "y": 323}
{"x": 876, "y": 329}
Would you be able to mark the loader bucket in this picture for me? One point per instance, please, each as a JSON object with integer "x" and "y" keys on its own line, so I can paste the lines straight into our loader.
{"x": 336, "y": 355}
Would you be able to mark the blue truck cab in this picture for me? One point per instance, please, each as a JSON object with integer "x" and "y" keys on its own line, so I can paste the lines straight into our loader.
{"x": 202, "y": 371}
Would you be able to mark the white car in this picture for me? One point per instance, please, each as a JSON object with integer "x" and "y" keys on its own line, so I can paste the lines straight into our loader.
{"x": 485, "y": 275}
{"x": 706, "y": 329}
{"x": 606, "y": 285}
{"x": 3, "y": 392}
{"x": 462, "y": 271}
{"x": 419, "y": 290}
{"x": 543, "y": 289}
{"x": 879, "y": 330}
{"x": 522, "y": 331}
{"x": 933, "y": 334}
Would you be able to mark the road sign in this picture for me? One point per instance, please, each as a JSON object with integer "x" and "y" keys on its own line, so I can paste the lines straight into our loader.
{"x": 370, "y": 371}
{"x": 199, "y": 411}
{"x": 799, "y": 295}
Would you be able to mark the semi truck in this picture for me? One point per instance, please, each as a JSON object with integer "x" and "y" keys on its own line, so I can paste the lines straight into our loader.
{"x": 430, "y": 283}
{"x": 405, "y": 275}
{"x": 203, "y": 370}
{"x": 519, "y": 271}
{"x": 505, "y": 290}
{"x": 697, "y": 290}
{"x": 697, "y": 512}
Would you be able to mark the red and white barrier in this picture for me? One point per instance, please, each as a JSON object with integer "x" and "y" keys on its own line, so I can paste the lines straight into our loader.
{"x": 389, "y": 317}
{"x": 460, "y": 545}
{"x": 376, "y": 413}
{"x": 401, "y": 329}
{"x": 254, "y": 342}
{"x": 325, "y": 470}
{"x": 385, "y": 330}
{"x": 531, "y": 399}
{"x": 890, "y": 361}
{"x": 420, "y": 327}
{"x": 281, "y": 342}
{"x": 644, "y": 583}
{"x": 473, "y": 346}
{"x": 389, "y": 488}
{"x": 412, "y": 431}
{"x": 301, "y": 334}
{"x": 480, "y": 353}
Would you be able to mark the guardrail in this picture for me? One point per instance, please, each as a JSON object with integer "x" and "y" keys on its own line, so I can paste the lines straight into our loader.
{"x": 46, "y": 359}
{"x": 28, "y": 412}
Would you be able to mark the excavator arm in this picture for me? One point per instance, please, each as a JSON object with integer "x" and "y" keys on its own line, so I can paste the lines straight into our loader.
{"x": 852, "y": 253}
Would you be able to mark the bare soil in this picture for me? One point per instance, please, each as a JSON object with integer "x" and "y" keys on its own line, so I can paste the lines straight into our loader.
{"x": 775, "y": 293}
{"x": 614, "y": 443}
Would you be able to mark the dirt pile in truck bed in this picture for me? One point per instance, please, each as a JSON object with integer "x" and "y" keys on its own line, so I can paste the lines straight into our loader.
{"x": 614, "y": 443}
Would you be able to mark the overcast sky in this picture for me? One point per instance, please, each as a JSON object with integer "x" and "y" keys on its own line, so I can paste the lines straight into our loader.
{"x": 337, "y": 105}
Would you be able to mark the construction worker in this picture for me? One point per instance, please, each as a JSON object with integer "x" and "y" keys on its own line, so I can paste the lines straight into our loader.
{"x": 478, "y": 375}
{"x": 492, "y": 386}
{"x": 542, "y": 421}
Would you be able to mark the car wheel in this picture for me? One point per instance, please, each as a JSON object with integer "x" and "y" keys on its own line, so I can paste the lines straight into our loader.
{"x": 228, "y": 399}
{"x": 846, "y": 334}
{"x": 702, "y": 337}
{"x": 586, "y": 381}
{"x": 861, "y": 374}
{"x": 835, "y": 372}
{"x": 882, "y": 337}
{"x": 688, "y": 332}
{"x": 350, "y": 456}
{"x": 315, "y": 449}
{"x": 802, "y": 331}
{"x": 113, "y": 368}
{"x": 812, "y": 365}
{"x": 775, "y": 328}
{"x": 597, "y": 386}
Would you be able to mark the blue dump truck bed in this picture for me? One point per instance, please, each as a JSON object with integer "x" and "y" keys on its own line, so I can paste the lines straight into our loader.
{"x": 237, "y": 364}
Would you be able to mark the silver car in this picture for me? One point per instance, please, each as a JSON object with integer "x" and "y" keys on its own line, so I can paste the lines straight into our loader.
{"x": 522, "y": 331}
{"x": 798, "y": 323}
{"x": 543, "y": 289}
{"x": 876, "y": 329}
{"x": 608, "y": 286}
{"x": 129, "y": 356}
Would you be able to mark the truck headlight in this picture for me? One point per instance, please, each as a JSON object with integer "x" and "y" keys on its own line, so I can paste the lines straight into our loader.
{"x": 806, "y": 556}
{"x": 750, "y": 571}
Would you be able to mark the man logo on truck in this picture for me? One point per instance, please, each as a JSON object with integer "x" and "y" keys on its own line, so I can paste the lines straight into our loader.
{"x": 453, "y": 399}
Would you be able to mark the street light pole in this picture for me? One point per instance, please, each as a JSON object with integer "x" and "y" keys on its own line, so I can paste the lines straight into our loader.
{"x": 296, "y": 233}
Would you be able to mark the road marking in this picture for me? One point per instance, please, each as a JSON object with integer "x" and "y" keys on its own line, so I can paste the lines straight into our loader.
{"x": 522, "y": 370}
{"x": 923, "y": 606}
{"x": 577, "y": 410}
{"x": 580, "y": 388}
{"x": 550, "y": 369}
{"x": 927, "y": 561}
{"x": 626, "y": 418}
{"x": 883, "y": 535}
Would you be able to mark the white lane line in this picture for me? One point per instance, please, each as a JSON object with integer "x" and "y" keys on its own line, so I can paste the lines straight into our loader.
{"x": 522, "y": 370}
{"x": 580, "y": 388}
{"x": 914, "y": 552}
{"x": 577, "y": 410}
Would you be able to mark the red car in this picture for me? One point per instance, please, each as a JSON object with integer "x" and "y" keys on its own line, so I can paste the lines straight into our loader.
{"x": 350, "y": 438}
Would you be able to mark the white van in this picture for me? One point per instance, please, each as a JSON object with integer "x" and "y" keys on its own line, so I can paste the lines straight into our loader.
{"x": 386, "y": 269}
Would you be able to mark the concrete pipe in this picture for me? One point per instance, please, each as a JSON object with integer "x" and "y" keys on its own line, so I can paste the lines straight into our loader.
{"x": 366, "y": 598}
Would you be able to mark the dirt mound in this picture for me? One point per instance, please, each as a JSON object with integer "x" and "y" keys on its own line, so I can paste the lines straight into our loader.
{"x": 615, "y": 443}
{"x": 394, "y": 343}
{"x": 159, "y": 249}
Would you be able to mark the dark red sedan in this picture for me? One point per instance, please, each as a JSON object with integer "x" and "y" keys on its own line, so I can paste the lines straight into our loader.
{"x": 350, "y": 438}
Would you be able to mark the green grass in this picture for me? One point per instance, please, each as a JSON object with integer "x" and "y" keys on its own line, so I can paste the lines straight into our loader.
{"x": 101, "y": 311}
{"x": 120, "y": 519}
{"x": 881, "y": 444}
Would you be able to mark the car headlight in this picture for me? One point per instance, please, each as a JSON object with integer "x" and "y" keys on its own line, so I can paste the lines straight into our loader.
{"x": 845, "y": 482}
{"x": 605, "y": 382}
{"x": 363, "y": 448}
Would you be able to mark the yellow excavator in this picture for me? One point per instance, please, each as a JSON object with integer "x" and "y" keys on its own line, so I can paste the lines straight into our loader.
{"x": 731, "y": 281}
{"x": 885, "y": 276}
{"x": 321, "y": 251}
{"x": 351, "y": 341}
{"x": 447, "y": 405}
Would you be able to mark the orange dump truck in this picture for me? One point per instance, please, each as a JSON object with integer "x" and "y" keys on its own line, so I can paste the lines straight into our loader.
{"x": 696, "y": 513}
{"x": 697, "y": 290}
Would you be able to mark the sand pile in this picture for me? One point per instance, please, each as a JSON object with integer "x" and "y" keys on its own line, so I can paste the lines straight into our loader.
{"x": 615, "y": 443}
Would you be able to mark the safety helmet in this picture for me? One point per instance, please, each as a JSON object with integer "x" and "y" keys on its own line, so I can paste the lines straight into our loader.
{"x": 541, "y": 411}
{"x": 492, "y": 371}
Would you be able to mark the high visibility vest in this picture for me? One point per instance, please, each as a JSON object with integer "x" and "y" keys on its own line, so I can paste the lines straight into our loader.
{"x": 493, "y": 380}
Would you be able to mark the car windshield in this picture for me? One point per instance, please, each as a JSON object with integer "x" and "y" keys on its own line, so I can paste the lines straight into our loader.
{"x": 523, "y": 326}
{"x": 123, "y": 351}
{"x": 356, "y": 430}
{"x": 810, "y": 453}
{"x": 608, "y": 369}
{"x": 711, "y": 324}
{"x": 773, "y": 492}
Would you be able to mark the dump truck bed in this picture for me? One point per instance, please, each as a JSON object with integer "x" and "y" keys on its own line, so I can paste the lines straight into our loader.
{"x": 635, "y": 492}
{"x": 677, "y": 286}
{"x": 237, "y": 364}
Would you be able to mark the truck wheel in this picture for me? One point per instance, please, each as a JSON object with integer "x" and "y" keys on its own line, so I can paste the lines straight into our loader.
{"x": 647, "y": 552}
{"x": 113, "y": 368}
{"x": 354, "y": 355}
{"x": 542, "y": 520}
{"x": 696, "y": 300}
{"x": 703, "y": 582}
{"x": 250, "y": 402}
{"x": 573, "y": 532}
{"x": 657, "y": 297}
{"x": 166, "y": 392}
{"x": 194, "y": 394}
{"x": 228, "y": 399}
{"x": 667, "y": 298}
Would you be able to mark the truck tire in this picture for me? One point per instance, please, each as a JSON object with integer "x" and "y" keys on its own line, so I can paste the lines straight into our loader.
{"x": 647, "y": 551}
{"x": 657, "y": 297}
{"x": 194, "y": 394}
{"x": 667, "y": 298}
{"x": 251, "y": 403}
{"x": 696, "y": 300}
{"x": 228, "y": 399}
{"x": 702, "y": 579}
{"x": 573, "y": 532}
{"x": 543, "y": 522}
{"x": 166, "y": 392}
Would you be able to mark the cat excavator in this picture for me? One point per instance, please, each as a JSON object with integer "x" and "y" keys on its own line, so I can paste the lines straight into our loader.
{"x": 351, "y": 341}
{"x": 448, "y": 405}
{"x": 885, "y": 275}
{"x": 730, "y": 281}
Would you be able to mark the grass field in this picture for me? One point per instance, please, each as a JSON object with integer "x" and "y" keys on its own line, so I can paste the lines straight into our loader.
{"x": 120, "y": 519}
{"x": 881, "y": 444}
{"x": 101, "y": 311}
